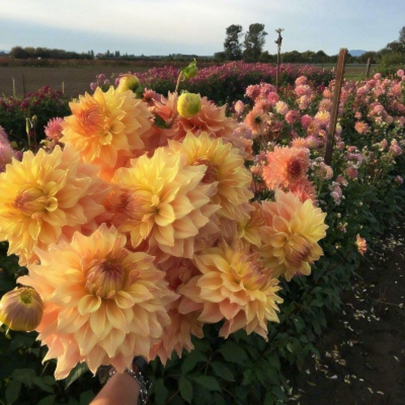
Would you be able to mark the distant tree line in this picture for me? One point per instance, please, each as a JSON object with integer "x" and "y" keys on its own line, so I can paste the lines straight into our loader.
{"x": 238, "y": 45}
{"x": 19, "y": 52}
{"x": 249, "y": 47}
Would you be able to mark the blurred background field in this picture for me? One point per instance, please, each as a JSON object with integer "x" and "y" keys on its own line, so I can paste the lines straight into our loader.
{"x": 75, "y": 80}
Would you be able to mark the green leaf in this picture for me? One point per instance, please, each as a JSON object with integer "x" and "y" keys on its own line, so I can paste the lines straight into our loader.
{"x": 248, "y": 376}
{"x": 86, "y": 397}
{"x": 234, "y": 353}
{"x": 49, "y": 400}
{"x": 186, "y": 389}
{"x": 209, "y": 383}
{"x": 24, "y": 375}
{"x": 41, "y": 384}
{"x": 191, "y": 360}
{"x": 12, "y": 391}
{"x": 161, "y": 392}
{"x": 73, "y": 401}
{"x": 76, "y": 373}
{"x": 222, "y": 371}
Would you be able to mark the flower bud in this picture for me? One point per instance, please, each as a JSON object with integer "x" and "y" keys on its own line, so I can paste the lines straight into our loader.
{"x": 190, "y": 71}
{"x": 21, "y": 309}
{"x": 189, "y": 104}
{"x": 128, "y": 82}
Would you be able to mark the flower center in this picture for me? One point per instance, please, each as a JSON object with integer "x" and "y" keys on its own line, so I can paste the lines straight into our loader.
{"x": 33, "y": 203}
{"x": 295, "y": 169}
{"x": 211, "y": 174}
{"x": 104, "y": 278}
{"x": 26, "y": 297}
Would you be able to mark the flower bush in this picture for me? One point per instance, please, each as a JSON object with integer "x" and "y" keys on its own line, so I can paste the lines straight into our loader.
{"x": 24, "y": 118}
{"x": 213, "y": 243}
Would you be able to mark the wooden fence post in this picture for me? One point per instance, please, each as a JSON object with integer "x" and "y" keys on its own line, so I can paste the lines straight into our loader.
{"x": 335, "y": 105}
{"x": 368, "y": 67}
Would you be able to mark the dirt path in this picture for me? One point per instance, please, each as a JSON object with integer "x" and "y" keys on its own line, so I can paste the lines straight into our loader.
{"x": 363, "y": 351}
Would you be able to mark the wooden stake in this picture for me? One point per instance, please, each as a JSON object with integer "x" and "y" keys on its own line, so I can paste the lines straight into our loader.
{"x": 63, "y": 87}
{"x": 335, "y": 105}
{"x": 14, "y": 93}
{"x": 368, "y": 67}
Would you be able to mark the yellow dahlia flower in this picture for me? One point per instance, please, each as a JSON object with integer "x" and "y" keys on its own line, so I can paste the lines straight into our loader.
{"x": 21, "y": 309}
{"x": 162, "y": 200}
{"x": 102, "y": 303}
{"x": 290, "y": 234}
{"x": 225, "y": 168}
{"x": 107, "y": 128}
{"x": 235, "y": 287}
{"x": 46, "y": 196}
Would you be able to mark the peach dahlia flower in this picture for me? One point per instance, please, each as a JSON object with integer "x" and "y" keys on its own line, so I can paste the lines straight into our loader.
{"x": 46, "y": 196}
{"x": 290, "y": 234}
{"x": 234, "y": 286}
{"x": 162, "y": 200}
{"x": 285, "y": 166}
{"x": 102, "y": 303}
{"x": 225, "y": 168}
{"x": 107, "y": 128}
{"x": 177, "y": 335}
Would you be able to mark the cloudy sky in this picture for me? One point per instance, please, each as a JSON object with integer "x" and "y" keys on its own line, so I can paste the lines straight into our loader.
{"x": 163, "y": 27}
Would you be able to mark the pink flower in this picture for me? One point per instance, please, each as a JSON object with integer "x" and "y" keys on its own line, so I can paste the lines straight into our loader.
{"x": 361, "y": 127}
{"x": 399, "y": 179}
{"x": 3, "y": 135}
{"x": 395, "y": 149}
{"x": 273, "y": 98}
{"x": 306, "y": 121}
{"x": 239, "y": 107}
{"x": 281, "y": 107}
{"x": 53, "y": 129}
{"x": 361, "y": 244}
{"x": 299, "y": 81}
{"x": 352, "y": 172}
{"x": 292, "y": 117}
{"x": 6, "y": 155}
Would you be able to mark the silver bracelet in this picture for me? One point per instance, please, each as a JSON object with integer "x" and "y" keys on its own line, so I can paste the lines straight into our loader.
{"x": 138, "y": 377}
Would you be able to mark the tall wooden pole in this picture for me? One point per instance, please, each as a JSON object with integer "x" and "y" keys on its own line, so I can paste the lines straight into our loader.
{"x": 335, "y": 105}
{"x": 278, "y": 41}
{"x": 368, "y": 67}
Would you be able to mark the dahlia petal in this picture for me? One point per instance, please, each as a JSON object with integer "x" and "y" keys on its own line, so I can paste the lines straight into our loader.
{"x": 89, "y": 304}
{"x": 112, "y": 342}
{"x": 124, "y": 300}
{"x": 116, "y": 317}
{"x": 210, "y": 314}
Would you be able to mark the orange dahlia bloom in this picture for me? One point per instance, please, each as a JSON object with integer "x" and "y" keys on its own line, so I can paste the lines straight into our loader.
{"x": 361, "y": 245}
{"x": 107, "y": 128}
{"x": 225, "y": 168}
{"x": 162, "y": 200}
{"x": 177, "y": 335}
{"x": 249, "y": 229}
{"x": 47, "y": 196}
{"x": 290, "y": 234}
{"x": 102, "y": 303}
{"x": 285, "y": 166}
{"x": 234, "y": 286}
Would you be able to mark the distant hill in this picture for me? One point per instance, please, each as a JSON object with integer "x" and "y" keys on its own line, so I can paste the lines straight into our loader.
{"x": 357, "y": 52}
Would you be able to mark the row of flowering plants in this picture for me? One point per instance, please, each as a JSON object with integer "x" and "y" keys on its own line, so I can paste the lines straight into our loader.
{"x": 211, "y": 240}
